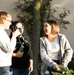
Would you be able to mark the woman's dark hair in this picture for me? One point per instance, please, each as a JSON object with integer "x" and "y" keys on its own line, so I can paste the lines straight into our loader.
{"x": 13, "y": 25}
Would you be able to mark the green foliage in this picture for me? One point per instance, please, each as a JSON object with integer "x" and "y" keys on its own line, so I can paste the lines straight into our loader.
{"x": 26, "y": 8}
{"x": 26, "y": 13}
{"x": 62, "y": 17}
{"x": 48, "y": 12}
{"x": 63, "y": 71}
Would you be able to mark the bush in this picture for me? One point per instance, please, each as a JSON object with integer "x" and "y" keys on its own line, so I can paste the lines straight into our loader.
{"x": 71, "y": 64}
{"x": 63, "y": 71}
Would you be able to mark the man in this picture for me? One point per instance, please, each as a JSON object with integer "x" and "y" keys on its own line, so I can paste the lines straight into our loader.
{"x": 6, "y": 45}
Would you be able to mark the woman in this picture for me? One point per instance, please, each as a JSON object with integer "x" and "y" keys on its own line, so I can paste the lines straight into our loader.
{"x": 22, "y": 63}
{"x": 54, "y": 48}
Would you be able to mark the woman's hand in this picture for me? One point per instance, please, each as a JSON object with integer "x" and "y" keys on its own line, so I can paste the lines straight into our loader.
{"x": 16, "y": 33}
{"x": 31, "y": 68}
{"x": 31, "y": 65}
{"x": 64, "y": 63}
{"x": 19, "y": 54}
{"x": 56, "y": 67}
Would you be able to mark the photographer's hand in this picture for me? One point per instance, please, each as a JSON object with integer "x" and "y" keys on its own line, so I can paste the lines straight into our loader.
{"x": 16, "y": 33}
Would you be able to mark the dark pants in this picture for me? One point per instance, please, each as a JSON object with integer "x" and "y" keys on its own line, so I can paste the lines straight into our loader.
{"x": 19, "y": 71}
{"x": 5, "y": 70}
{"x": 51, "y": 69}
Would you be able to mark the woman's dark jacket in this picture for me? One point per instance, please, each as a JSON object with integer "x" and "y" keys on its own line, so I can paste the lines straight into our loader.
{"x": 24, "y": 61}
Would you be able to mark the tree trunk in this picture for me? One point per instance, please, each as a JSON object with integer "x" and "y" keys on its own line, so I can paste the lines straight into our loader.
{"x": 35, "y": 35}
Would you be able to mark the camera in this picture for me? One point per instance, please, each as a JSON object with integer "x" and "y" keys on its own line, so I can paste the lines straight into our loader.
{"x": 13, "y": 28}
